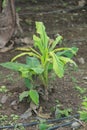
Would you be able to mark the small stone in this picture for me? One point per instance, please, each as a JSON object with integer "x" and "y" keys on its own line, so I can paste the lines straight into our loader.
{"x": 4, "y": 99}
{"x": 75, "y": 125}
{"x": 85, "y": 78}
{"x": 27, "y": 41}
{"x": 13, "y": 103}
{"x": 81, "y": 60}
{"x": 81, "y": 3}
{"x": 26, "y": 114}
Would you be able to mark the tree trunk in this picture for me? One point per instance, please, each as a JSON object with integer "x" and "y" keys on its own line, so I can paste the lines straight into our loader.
{"x": 7, "y": 22}
{"x": 1, "y": 5}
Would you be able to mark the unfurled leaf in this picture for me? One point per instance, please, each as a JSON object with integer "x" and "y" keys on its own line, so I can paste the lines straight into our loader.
{"x": 14, "y": 66}
{"x": 66, "y": 60}
{"x": 68, "y": 52}
{"x": 58, "y": 65}
{"x": 24, "y": 72}
{"x": 37, "y": 43}
{"x": 38, "y": 70}
{"x": 34, "y": 64}
{"x": 28, "y": 83}
{"x": 34, "y": 96}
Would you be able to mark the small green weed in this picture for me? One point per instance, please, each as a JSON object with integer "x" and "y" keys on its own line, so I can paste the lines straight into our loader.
{"x": 61, "y": 112}
{"x": 80, "y": 89}
{"x": 83, "y": 111}
{"x": 5, "y": 119}
{"x": 74, "y": 80}
{"x": 19, "y": 126}
{"x": 0, "y": 105}
{"x": 3, "y": 89}
{"x": 9, "y": 77}
{"x": 43, "y": 125}
{"x": 18, "y": 9}
{"x": 14, "y": 117}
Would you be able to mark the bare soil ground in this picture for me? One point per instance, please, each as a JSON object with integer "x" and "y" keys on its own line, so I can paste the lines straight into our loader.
{"x": 72, "y": 25}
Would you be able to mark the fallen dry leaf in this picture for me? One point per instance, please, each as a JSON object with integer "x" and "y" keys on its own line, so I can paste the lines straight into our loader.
{"x": 43, "y": 115}
{"x": 5, "y": 49}
{"x": 81, "y": 3}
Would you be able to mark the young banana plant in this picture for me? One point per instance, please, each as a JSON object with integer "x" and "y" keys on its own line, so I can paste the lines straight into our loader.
{"x": 47, "y": 56}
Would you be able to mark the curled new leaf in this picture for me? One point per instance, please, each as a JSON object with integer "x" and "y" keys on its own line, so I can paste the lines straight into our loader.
{"x": 43, "y": 36}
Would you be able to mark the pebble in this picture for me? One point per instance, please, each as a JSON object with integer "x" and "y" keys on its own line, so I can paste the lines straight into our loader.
{"x": 85, "y": 78}
{"x": 26, "y": 114}
{"x": 4, "y": 99}
{"x": 81, "y": 60}
{"x": 13, "y": 103}
{"x": 75, "y": 125}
